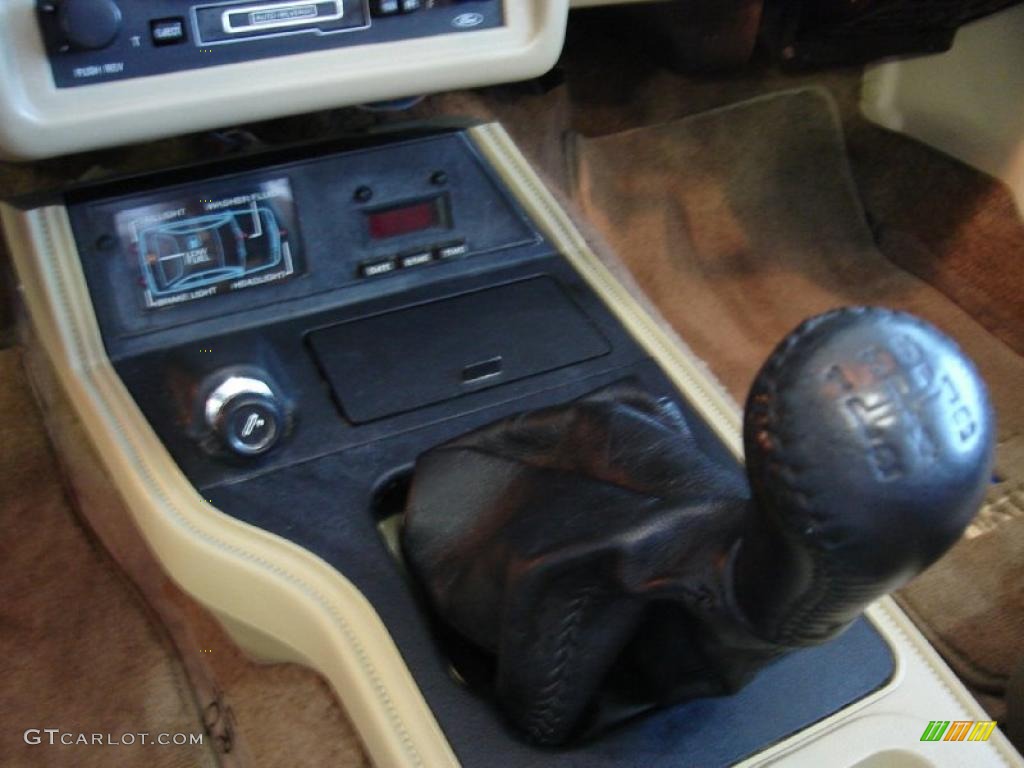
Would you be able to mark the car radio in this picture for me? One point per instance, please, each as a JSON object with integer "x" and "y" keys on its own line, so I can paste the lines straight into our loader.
{"x": 93, "y": 41}
{"x": 83, "y": 74}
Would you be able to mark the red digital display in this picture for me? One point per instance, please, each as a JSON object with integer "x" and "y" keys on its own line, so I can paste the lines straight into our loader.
{"x": 405, "y": 219}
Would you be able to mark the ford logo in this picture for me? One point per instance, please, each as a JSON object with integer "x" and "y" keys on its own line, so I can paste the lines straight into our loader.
{"x": 468, "y": 20}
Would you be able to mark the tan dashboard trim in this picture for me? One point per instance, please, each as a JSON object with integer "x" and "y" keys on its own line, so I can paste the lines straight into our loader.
{"x": 259, "y": 580}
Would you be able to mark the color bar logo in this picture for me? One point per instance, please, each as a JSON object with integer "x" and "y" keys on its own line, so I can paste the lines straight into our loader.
{"x": 958, "y": 730}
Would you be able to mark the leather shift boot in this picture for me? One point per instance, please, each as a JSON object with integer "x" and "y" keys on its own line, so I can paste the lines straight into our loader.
{"x": 586, "y": 547}
{"x": 610, "y": 565}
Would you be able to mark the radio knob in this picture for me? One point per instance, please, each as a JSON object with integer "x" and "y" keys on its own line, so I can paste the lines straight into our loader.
{"x": 246, "y": 415}
{"x": 89, "y": 24}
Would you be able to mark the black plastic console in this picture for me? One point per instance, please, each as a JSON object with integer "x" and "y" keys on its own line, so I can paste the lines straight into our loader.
{"x": 392, "y": 297}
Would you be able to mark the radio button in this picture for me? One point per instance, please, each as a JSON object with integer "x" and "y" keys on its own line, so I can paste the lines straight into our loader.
{"x": 417, "y": 259}
{"x": 378, "y": 268}
{"x": 167, "y": 31}
{"x": 454, "y": 250}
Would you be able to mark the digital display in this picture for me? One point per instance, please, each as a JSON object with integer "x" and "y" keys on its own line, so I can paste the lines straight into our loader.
{"x": 407, "y": 218}
{"x": 194, "y": 247}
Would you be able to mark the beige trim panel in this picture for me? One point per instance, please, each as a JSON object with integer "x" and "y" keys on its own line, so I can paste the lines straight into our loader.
{"x": 306, "y": 610}
{"x": 37, "y": 119}
{"x": 967, "y": 102}
{"x": 253, "y": 578}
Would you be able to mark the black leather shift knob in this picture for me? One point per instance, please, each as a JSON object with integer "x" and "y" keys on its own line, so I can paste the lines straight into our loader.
{"x": 869, "y": 439}
{"x": 610, "y": 565}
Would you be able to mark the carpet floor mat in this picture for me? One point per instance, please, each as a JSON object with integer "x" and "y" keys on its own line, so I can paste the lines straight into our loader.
{"x": 78, "y": 651}
{"x": 741, "y": 222}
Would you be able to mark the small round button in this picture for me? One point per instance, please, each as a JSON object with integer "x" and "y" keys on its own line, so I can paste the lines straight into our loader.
{"x": 251, "y": 425}
{"x": 245, "y": 414}
{"x": 89, "y": 24}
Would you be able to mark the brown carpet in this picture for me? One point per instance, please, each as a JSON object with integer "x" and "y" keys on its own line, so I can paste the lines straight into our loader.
{"x": 741, "y": 222}
{"x": 78, "y": 650}
{"x": 946, "y": 223}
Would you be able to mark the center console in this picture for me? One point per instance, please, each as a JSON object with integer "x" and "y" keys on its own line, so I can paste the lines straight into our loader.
{"x": 298, "y": 334}
{"x": 261, "y": 349}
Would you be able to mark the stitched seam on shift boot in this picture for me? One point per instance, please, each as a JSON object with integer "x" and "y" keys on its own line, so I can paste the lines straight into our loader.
{"x": 547, "y": 716}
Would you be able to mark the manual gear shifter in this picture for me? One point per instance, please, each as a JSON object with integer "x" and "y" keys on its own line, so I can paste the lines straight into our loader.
{"x": 610, "y": 565}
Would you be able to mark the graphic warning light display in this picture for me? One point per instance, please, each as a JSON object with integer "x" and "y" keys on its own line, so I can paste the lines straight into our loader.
{"x": 196, "y": 247}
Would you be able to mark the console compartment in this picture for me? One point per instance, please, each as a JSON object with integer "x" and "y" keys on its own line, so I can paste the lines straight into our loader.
{"x": 403, "y": 360}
